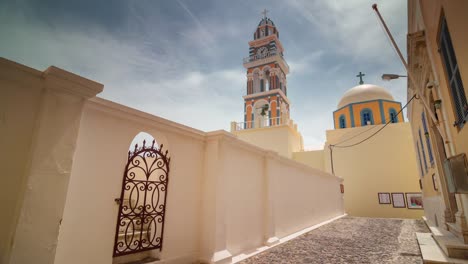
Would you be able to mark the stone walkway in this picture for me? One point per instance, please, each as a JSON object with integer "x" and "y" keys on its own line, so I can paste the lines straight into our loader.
{"x": 351, "y": 240}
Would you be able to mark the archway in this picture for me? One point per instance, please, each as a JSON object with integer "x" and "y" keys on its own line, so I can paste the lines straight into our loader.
{"x": 142, "y": 203}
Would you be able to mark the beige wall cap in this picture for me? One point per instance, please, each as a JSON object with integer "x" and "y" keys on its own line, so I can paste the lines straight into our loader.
{"x": 59, "y": 79}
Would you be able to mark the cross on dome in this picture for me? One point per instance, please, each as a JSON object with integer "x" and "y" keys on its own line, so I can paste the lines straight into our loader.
{"x": 360, "y": 75}
{"x": 264, "y": 13}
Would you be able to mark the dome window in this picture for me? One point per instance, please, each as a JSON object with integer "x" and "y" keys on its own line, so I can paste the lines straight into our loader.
{"x": 342, "y": 121}
{"x": 367, "y": 117}
{"x": 393, "y": 115}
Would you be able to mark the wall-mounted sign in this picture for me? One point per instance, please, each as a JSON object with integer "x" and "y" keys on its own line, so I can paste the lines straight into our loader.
{"x": 384, "y": 198}
{"x": 398, "y": 200}
{"x": 414, "y": 200}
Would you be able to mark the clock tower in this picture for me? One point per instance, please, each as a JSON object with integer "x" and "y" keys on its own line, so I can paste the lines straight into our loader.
{"x": 266, "y": 103}
{"x": 266, "y": 121}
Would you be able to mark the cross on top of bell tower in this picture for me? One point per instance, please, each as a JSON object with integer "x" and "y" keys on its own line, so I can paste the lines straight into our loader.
{"x": 264, "y": 13}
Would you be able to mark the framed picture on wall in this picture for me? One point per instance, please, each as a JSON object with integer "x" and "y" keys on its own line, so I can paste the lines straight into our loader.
{"x": 434, "y": 182}
{"x": 398, "y": 200}
{"x": 384, "y": 198}
{"x": 414, "y": 200}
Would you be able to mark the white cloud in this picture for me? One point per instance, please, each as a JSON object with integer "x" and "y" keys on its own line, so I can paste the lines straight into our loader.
{"x": 353, "y": 27}
{"x": 306, "y": 64}
{"x": 131, "y": 73}
{"x": 184, "y": 76}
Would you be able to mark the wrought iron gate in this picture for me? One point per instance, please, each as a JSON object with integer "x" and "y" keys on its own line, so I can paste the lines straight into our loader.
{"x": 142, "y": 203}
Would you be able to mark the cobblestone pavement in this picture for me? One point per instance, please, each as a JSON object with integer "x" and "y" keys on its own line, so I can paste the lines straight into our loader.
{"x": 351, "y": 240}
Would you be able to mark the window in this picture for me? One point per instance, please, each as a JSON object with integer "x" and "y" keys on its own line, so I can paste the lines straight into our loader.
{"x": 342, "y": 121}
{"x": 366, "y": 117}
{"x": 393, "y": 115}
{"x": 422, "y": 149}
{"x": 453, "y": 76}
{"x": 428, "y": 140}
{"x": 419, "y": 158}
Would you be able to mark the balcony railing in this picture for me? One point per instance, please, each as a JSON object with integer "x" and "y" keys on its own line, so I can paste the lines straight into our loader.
{"x": 259, "y": 123}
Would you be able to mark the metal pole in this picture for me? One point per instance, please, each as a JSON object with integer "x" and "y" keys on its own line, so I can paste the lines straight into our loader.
{"x": 413, "y": 82}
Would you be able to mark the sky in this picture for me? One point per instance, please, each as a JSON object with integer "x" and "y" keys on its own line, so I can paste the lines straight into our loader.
{"x": 182, "y": 59}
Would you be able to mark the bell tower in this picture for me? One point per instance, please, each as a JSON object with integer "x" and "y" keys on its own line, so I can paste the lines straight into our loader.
{"x": 266, "y": 121}
{"x": 266, "y": 103}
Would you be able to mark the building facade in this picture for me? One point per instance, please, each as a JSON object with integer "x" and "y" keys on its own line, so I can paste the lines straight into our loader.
{"x": 438, "y": 66}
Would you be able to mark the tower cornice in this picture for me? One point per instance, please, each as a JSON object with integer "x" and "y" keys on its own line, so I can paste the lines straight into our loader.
{"x": 249, "y": 63}
{"x": 266, "y": 40}
{"x": 267, "y": 93}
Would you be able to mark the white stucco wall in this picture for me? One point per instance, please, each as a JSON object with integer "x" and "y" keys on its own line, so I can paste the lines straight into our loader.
{"x": 313, "y": 158}
{"x": 310, "y": 195}
{"x": 261, "y": 197}
{"x": 284, "y": 139}
{"x": 105, "y": 136}
{"x": 221, "y": 203}
{"x": 225, "y": 196}
{"x": 42, "y": 115}
{"x": 245, "y": 197}
{"x": 19, "y": 104}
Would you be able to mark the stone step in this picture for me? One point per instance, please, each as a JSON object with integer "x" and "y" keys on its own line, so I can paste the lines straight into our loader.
{"x": 448, "y": 242}
{"x": 432, "y": 253}
{"x": 145, "y": 257}
{"x": 456, "y": 230}
{"x": 451, "y": 245}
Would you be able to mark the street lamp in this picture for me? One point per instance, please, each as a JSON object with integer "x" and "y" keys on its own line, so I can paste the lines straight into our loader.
{"x": 388, "y": 77}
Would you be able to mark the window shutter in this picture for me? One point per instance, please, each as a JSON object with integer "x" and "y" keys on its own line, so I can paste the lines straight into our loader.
{"x": 422, "y": 149}
{"x": 453, "y": 76}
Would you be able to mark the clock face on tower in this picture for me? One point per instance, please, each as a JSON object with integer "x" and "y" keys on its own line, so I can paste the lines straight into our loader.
{"x": 262, "y": 52}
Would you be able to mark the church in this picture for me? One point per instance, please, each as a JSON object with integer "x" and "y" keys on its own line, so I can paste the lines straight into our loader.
{"x": 380, "y": 171}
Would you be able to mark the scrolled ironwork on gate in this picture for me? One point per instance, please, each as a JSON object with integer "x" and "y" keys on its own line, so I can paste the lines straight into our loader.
{"x": 142, "y": 203}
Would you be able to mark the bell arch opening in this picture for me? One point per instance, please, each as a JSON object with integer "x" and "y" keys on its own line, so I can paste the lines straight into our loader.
{"x": 261, "y": 110}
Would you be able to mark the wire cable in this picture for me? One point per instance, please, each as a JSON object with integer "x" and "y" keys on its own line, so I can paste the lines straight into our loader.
{"x": 358, "y": 134}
